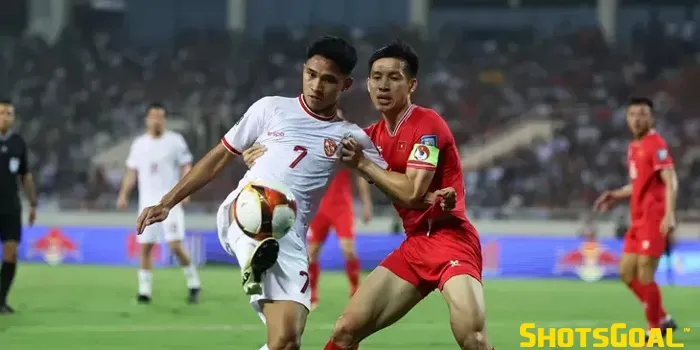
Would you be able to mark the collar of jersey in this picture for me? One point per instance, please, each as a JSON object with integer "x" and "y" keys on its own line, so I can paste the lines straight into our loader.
{"x": 308, "y": 111}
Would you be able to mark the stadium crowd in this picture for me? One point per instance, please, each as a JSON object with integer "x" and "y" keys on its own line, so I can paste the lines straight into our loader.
{"x": 79, "y": 95}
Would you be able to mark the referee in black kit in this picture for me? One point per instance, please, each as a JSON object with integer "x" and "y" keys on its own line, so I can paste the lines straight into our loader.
{"x": 13, "y": 169}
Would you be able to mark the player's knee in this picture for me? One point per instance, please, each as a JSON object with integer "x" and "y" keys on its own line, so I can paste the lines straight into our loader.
{"x": 284, "y": 341}
{"x": 345, "y": 330}
{"x": 474, "y": 341}
{"x": 349, "y": 254}
{"x": 469, "y": 329}
{"x": 9, "y": 252}
{"x": 314, "y": 252}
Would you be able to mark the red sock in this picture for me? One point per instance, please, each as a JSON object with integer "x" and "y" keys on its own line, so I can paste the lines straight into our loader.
{"x": 352, "y": 269}
{"x": 638, "y": 289}
{"x": 332, "y": 346}
{"x": 314, "y": 272}
{"x": 654, "y": 310}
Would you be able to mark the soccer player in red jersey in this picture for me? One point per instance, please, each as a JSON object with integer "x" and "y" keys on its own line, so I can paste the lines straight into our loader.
{"x": 442, "y": 249}
{"x": 336, "y": 210}
{"x": 652, "y": 192}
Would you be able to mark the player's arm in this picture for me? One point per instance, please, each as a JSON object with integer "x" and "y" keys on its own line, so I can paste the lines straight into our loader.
{"x": 409, "y": 189}
{"x": 623, "y": 192}
{"x": 28, "y": 185}
{"x": 663, "y": 163}
{"x": 363, "y": 191}
{"x": 670, "y": 180}
{"x": 129, "y": 179}
{"x": 241, "y": 136}
{"x": 201, "y": 174}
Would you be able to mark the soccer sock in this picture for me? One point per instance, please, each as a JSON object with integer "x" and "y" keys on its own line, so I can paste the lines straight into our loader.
{"x": 7, "y": 275}
{"x": 192, "y": 277}
{"x": 333, "y": 346}
{"x": 654, "y": 309}
{"x": 352, "y": 269}
{"x": 145, "y": 282}
{"x": 638, "y": 289}
{"x": 314, "y": 274}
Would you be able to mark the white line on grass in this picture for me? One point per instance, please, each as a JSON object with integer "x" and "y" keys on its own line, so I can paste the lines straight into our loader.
{"x": 260, "y": 326}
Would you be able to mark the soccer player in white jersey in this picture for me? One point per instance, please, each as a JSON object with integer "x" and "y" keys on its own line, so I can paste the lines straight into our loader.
{"x": 158, "y": 159}
{"x": 303, "y": 135}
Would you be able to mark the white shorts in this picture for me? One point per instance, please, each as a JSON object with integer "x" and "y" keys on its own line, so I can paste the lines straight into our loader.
{"x": 171, "y": 229}
{"x": 288, "y": 279}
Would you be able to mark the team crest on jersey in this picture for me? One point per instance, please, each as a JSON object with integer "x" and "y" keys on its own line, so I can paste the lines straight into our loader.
{"x": 662, "y": 154}
{"x": 329, "y": 146}
{"x": 429, "y": 140}
{"x": 14, "y": 164}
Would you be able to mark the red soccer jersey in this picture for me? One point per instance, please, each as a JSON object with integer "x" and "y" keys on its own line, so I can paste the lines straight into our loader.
{"x": 645, "y": 158}
{"x": 339, "y": 193}
{"x": 422, "y": 140}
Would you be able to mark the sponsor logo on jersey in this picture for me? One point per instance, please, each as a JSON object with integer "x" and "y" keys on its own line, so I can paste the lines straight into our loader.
{"x": 662, "y": 154}
{"x": 275, "y": 133}
{"x": 422, "y": 152}
{"x": 329, "y": 146}
{"x": 429, "y": 140}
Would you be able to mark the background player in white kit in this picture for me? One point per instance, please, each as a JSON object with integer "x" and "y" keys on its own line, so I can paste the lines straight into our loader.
{"x": 158, "y": 159}
{"x": 302, "y": 136}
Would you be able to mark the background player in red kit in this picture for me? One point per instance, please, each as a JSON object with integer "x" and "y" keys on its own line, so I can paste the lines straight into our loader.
{"x": 442, "y": 249}
{"x": 336, "y": 211}
{"x": 652, "y": 192}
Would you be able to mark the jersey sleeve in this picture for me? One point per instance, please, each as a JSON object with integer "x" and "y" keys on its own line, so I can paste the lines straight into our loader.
{"x": 369, "y": 149}
{"x": 24, "y": 161}
{"x": 184, "y": 156}
{"x": 661, "y": 158}
{"x": 132, "y": 158}
{"x": 247, "y": 130}
{"x": 429, "y": 140}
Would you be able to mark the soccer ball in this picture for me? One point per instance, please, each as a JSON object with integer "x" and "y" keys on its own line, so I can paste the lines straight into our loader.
{"x": 265, "y": 209}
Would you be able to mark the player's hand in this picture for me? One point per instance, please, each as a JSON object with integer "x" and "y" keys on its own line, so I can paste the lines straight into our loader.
{"x": 32, "y": 216}
{"x": 668, "y": 224}
{"x": 252, "y": 154}
{"x": 151, "y": 215}
{"x": 448, "y": 198}
{"x": 122, "y": 202}
{"x": 604, "y": 202}
{"x": 351, "y": 152}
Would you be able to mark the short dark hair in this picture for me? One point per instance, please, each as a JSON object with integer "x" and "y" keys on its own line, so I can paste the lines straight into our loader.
{"x": 156, "y": 105}
{"x": 641, "y": 101}
{"x": 336, "y": 49}
{"x": 5, "y": 101}
{"x": 399, "y": 50}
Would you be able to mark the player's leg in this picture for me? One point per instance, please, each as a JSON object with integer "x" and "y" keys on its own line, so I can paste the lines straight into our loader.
{"x": 388, "y": 293}
{"x": 147, "y": 241}
{"x": 174, "y": 227}
{"x": 344, "y": 227}
{"x": 318, "y": 232}
{"x": 464, "y": 295}
{"x": 10, "y": 236}
{"x": 628, "y": 264}
{"x": 653, "y": 245}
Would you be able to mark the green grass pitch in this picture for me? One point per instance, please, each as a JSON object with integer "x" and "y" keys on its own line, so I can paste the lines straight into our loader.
{"x": 93, "y": 308}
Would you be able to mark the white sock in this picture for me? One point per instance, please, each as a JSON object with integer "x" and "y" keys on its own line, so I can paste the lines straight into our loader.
{"x": 145, "y": 282}
{"x": 192, "y": 277}
{"x": 265, "y": 347}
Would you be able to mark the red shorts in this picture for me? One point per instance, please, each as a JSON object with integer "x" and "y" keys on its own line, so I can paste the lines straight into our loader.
{"x": 340, "y": 217}
{"x": 428, "y": 261}
{"x": 644, "y": 237}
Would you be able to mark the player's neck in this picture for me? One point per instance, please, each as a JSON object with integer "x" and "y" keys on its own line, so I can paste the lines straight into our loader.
{"x": 5, "y": 132}
{"x": 326, "y": 112}
{"x": 641, "y": 135}
{"x": 393, "y": 116}
{"x": 155, "y": 134}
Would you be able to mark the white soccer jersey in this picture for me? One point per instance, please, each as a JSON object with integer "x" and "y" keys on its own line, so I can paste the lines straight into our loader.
{"x": 303, "y": 149}
{"x": 158, "y": 163}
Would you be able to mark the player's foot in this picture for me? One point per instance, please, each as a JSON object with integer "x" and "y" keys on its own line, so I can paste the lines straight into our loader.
{"x": 6, "y": 309}
{"x": 264, "y": 257}
{"x": 143, "y": 299}
{"x": 193, "y": 297}
{"x": 314, "y": 305}
{"x": 667, "y": 324}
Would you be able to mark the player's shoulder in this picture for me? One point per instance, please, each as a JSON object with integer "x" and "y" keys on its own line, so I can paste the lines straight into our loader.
{"x": 274, "y": 101}
{"x": 426, "y": 117}
{"x": 17, "y": 138}
{"x": 653, "y": 139}
{"x": 138, "y": 140}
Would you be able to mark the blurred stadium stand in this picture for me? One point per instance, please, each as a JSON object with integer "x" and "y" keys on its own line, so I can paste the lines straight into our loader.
{"x": 534, "y": 90}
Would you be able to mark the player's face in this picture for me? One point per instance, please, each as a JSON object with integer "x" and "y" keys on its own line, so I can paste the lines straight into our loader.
{"x": 389, "y": 86}
{"x": 155, "y": 120}
{"x": 639, "y": 119}
{"x": 7, "y": 117}
{"x": 323, "y": 83}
